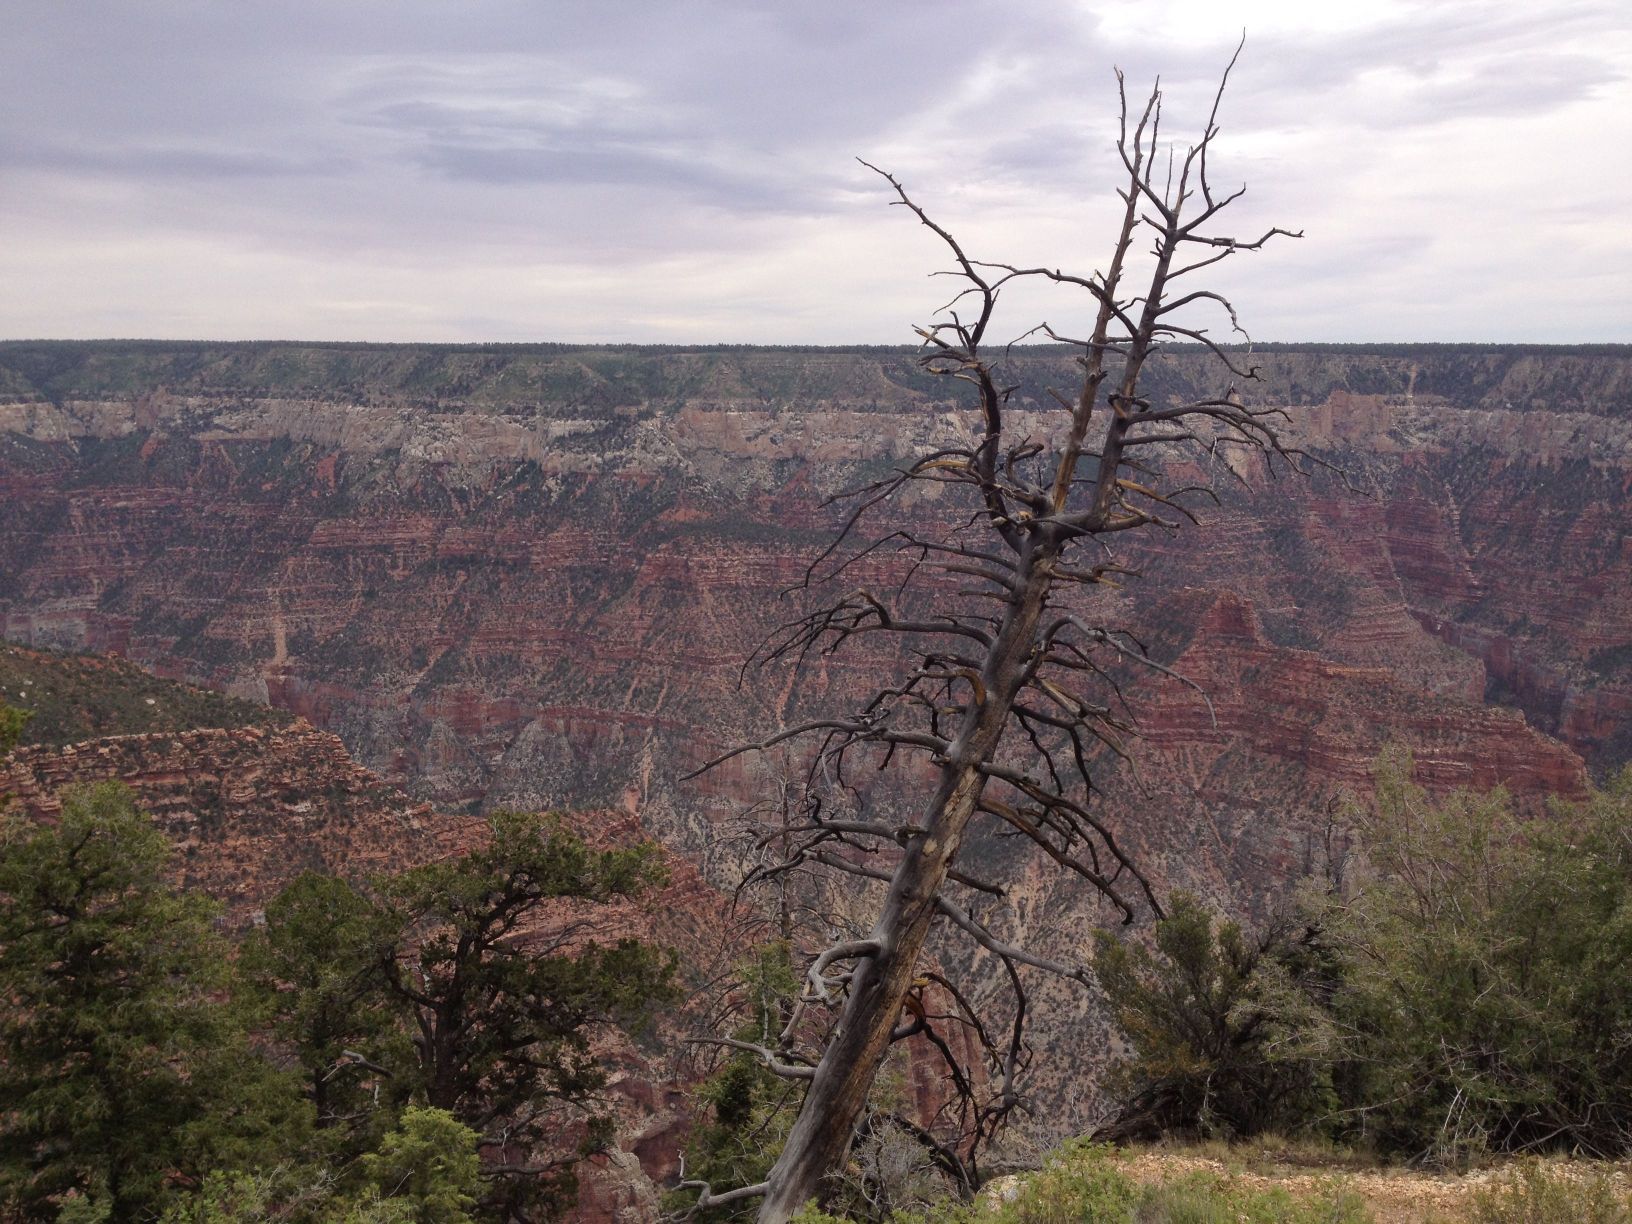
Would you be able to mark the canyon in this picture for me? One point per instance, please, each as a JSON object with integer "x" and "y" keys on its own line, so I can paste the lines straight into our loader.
{"x": 530, "y": 576}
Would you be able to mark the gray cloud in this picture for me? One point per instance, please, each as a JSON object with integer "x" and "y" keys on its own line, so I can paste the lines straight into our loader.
{"x": 146, "y": 161}
{"x": 417, "y": 169}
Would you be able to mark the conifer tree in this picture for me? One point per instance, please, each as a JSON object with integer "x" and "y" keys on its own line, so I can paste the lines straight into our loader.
{"x": 475, "y": 985}
{"x": 124, "y": 1069}
{"x": 12, "y": 724}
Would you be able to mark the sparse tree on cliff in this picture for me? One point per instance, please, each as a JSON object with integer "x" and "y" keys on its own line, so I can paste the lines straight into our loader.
{"x": 12, "y": 724}
{"x": 1009, "y": 694}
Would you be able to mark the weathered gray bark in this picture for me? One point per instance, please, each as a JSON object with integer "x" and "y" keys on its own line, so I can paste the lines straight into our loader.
{"x": 1027, "y": 657}
{"x": 844, "y": 1077}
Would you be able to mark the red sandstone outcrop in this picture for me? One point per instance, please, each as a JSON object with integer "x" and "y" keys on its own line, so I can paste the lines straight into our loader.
{"x": 1332, "y": 719}
{"x": 248, "y": 808}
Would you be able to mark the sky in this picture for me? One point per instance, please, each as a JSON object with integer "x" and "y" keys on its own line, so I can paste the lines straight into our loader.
{"x": 684, "y": 171}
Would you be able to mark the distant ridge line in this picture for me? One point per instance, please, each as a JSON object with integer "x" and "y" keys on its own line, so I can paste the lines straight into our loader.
{"x": 1360, "y": 348}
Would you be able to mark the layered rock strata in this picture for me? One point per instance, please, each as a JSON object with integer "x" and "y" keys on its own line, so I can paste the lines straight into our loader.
{"x": 529, "y": 576}
{"x": 248, "y": 808}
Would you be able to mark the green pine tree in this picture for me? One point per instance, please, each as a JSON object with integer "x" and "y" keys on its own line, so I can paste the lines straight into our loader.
{"x": 316, "y": 972}
{"x": 473, "y": 985}
{"x": 12, "y": 724}
{"x": 424, "y": 1172}
{"x": 429, "y": 1163}
{"x": 124, "y": 1068}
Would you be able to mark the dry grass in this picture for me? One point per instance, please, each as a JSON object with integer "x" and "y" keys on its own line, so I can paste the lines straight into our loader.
{"x": 1513, "y": 1193}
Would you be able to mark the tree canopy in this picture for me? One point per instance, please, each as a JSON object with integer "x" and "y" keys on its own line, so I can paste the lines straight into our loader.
{"x": 1467, "y": 989}
{"x": 424, "y": 1048}
{"x": 475, "y": 985}
{"x": 124, "y": 1068}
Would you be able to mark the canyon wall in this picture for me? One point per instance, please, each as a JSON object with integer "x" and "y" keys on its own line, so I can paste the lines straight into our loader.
{"x": 247, "y": 808}
{"x": 530, "y": 575}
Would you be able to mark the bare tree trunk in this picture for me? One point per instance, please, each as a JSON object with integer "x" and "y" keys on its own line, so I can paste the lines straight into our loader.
{"x": 981, "y": 670}
{"x": 844, "y": 1076}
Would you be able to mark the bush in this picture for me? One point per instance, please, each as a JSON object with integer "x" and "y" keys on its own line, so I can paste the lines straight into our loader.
{"x": 1081, "y": 1184}
{"x": 1487, "y": 977}
{"x": 1209, "y": 1014}
{"x": 1085, "y": 1184}
{"x": 1535, "y": 1192}
{"x": 429, "y": 1162}
{"x": 1208, "y": 1198}
{"x": 1473, "y": 994}
{"x": 12, "y": 724}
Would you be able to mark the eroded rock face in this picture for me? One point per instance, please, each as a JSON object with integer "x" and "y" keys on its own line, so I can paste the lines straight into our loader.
{"x": 530, "y": 576}
{"x": 1249, "y": 780}
{"x": 248, "y": 808}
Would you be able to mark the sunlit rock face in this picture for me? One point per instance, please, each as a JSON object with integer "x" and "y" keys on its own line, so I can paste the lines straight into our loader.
{"x": 531, "y": 575}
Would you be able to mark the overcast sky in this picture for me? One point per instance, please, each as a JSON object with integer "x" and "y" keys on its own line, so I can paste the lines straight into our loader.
{"x": 683, "y": 170}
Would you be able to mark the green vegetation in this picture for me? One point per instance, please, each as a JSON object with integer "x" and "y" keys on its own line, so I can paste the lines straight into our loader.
{"x": 348, "y": 1065}
{"x": 426, "y": 1171}
{"x": 1534, "y": 1192}
{"x": 430, "y": 1160}
{"x": 315, "y": 973}
{"x": 1204, "y": 1011}
{"x": 73, "y": 697}
{"x": 1470, "y": 993}
{"x": 1093, "y": 1184}
{"x": 1212, "y": 1198}
{"x": 1089, "y": 1184}
{"x": 121, "y": 1064}
{"x": 13, "y": 722}
{"x": 1080, "y": 1182}
{"x": 744, "y": 1111}
{"x": 468, "y": 984}
{"x": 1465, "y": 993}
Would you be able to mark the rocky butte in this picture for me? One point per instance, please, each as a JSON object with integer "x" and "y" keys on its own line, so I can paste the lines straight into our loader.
{"x": 529, "y": 575}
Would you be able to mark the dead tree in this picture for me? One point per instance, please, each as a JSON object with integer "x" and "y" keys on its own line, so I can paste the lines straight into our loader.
{"x": 1011, "y": 691}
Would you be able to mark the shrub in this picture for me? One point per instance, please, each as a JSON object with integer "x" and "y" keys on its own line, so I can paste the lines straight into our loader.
{"x": 1487, "y": 987}
{"x": 1082, "y": 1183}
{"x": 12, "y": 724}
{"x": 1536, "y": 1192}
{"x": 1209, "y": 1198}
{"x": 1085, "y": 1184}
{"x": 1472, "y": 994}
{"x": 1211, "y": 1015}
